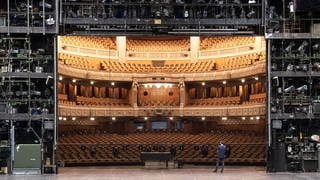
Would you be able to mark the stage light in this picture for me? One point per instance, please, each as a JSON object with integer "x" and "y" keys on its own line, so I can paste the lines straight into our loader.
{"x": 91, "y": 82}
{"x": 275, "y": 81}
{"x": 291, "y": 7}
{"x": 171, "y": 118}
{"x": 73, "y": 80}
{"x": 145, "y": 118}
{"x": 272, "y": 12}
{"x": 73, "y": 118}
{"x": 203, "y": 118}
{"x": 60, "y": 118}
{"x": 302, "y": 88}
{"x": 92, "y": 118}
{"x": 60, "y": 78}
{"x": 203, "y": 83}
{"x": 302, "y": 47}
{"x": 112, "y": 83}
{"x": 46, "y": 5}
{"x": 236, "y": 2}
{"x": 243, "y": 118}
{"x": 113, "y": 118}
{"x": 274, "y": 67}
{"x": 315, "y": 47}
{"x": 224, "y": 82}
{"x": 64, "y": 118}
{"x": 290, "y": 67}
{"x": 224, "y": 118}
{"x": 50, "y": 21}
{"x": 251, "y": 14}
{"x": 289, "y": 89}
{"x": 288, "y": 49}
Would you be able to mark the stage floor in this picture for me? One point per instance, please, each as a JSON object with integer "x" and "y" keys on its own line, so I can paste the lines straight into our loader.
{"x": 187, "y": 173}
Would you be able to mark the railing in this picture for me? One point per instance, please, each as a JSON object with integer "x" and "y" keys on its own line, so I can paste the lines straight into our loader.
{"x": 255, "y": 69}
{"x": 179, "y": 55}
{"x": 86, "y": 51}
{"x": 101, "y": 111}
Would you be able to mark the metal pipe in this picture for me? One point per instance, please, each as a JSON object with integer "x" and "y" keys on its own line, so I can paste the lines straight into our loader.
{"x": 43, "y": 18}
{"x": 55, "y": 99}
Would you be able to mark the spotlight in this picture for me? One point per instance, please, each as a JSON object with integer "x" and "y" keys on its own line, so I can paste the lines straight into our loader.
{"x": 251, "y": 1}
{"x": 315, "y": 47}
{"x": 171, "y": 118}
{"x": 203, "y": 118}
{"x": 224, "y": 118}
{"x": 251, "y": 14}
{"x": 289, "y": 89}
{"x": 257, "y": 118}
{"x": 60, "y": 118}
{"x": 92, "y": 118}
{"x": 274, "y": 67}
{"x": 73, "y": 118}
{"x": 60, "y": 78}
{"x": 46, "y": 5}
{"x": 302, "y": 47}
{"x": 302, "y": 88}
{"x": 50, "y": 21}
{"x": 243, "y": 80}
{"x": 113, "y": 118}
{"x": 64, "y": 118}
{"x": 203, "y": 83}
{"x": 243, "y": 118}
{"x": 73, "y": 80}
{"x": 272, "y": 12}
{"x": 256, "y": 78}
{"x": 112, "y": 83}
{"x": 224, "y": 82}
{"x": 288, "y": 49}
{"x": 290, "y": 67}
{"x": 236, "y": 1}
{"x": 145, "y": 118}
{"x": 91, "y": 82}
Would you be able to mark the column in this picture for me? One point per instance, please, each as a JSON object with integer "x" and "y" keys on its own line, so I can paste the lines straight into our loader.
{"x": 182, "y": 94}
{"x": 134, "y": 95}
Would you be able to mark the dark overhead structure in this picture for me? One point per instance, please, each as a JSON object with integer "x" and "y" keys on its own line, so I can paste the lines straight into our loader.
{"x": 186, "y": 17}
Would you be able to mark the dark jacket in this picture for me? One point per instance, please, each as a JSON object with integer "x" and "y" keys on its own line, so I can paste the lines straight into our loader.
{"x": 221, "y": 151}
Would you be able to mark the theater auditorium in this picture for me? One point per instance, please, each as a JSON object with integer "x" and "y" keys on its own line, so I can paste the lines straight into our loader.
{"x": 152, "y": 89}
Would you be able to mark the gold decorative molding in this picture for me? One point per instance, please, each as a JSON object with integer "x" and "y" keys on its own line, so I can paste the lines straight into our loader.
{"x": 241, "y": 110}
{"x": 258, "y": 68}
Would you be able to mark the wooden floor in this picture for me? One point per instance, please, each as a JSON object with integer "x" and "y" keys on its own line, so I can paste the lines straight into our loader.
{"x": 187, "y": 173}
